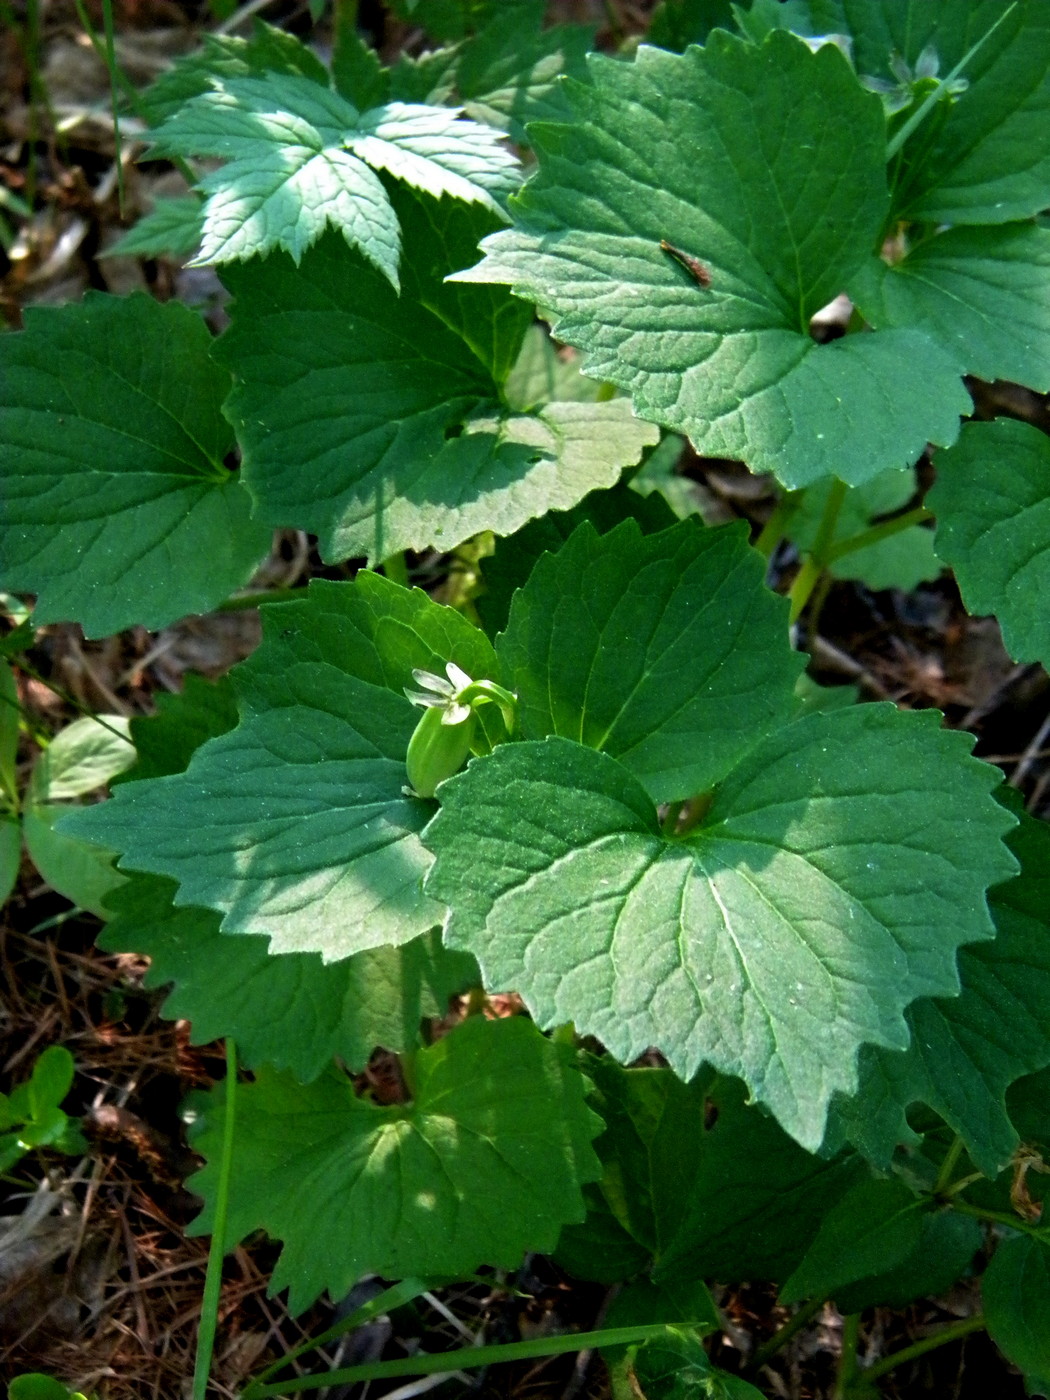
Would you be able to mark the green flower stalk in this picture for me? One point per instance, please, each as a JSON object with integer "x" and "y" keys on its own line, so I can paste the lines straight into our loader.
{"x": 445, "y": 735}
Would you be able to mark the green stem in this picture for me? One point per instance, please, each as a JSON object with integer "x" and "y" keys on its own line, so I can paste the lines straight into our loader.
{"x": 463, "y": 1359}
{"x": 240, "y": 602}
{"x": 779, "y": 1339}
{"x": 1002, "y": 1217}
{"x": 774, "y": 529}
{"x": 111, "y": 64}
{"x": 882, "y": 531}
{"x": 848, "y": 1357}
{"x": 817, "y": 559}
{"x": 396, "y": 569}
{"x": 916, "y": 118}
{"x": 951, "y": 1157}
{"x": 217, "y": 1249}
{"x": 953, "y": 1333}
{"x": 395, "y": 1297}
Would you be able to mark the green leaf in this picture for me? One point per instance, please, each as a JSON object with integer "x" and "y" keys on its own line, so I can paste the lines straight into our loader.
{"x": 600, "y": 1249}
{"x": 1016, "y": 1293}
{"x": 165, "y": 742}
{"x": 295, "y": 824}
{"x": 269, "y": 50}
{"x": 80, "y": 872}
{"x": 291, "y": 1010}
{"x": 782, "y": 225}
{"x": 509, "y": 73}
{"x": 870, "y": 1231}
{"x": 119, "y": 510}
{"x": 982, "y": 294}
{"x": 485, "y": 1163}
{"x": 681, "y": 1301}
{"x": 172, "y": 228}
{"x": 36, "y": 1386}
{"x": 508, "y": 567}
{"x": 730, "y": 946}
{"x": 10, "y": 731}
{"x": 946, "y": 1246}
{"x": 666, "y": 651}
{"x": 676, "y": 1367}
{"x": 678, "y": 23}
{"x": 992, "y": 502}
{"x": 82, "y": 757}
{"x": 374, "y": 421}
{"x": 757, "y": 1198}
{"x": 300, "y": 157}
{"x": 51, "y": 1080}
{"x": 10, "y": 853}
{"x": 980, "y": 163}
{"x": 965, "y": 1051}
{"x": 901, "y": 561}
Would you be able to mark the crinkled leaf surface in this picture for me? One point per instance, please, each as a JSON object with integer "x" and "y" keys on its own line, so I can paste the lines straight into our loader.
{"x": 829, "y": 885}
{"x": 666, "y": 651}
{"x": 967, "y": 1050}
{"x": 1016, "y": 1294}
{"x": 992, "y": 502}
{"x": 768, "y": 165}
{"x": 294, "y": 825}
{"x": 757, "y": 1198}
{"x": 376, "y": 422}
{"x": 902, "y": 560}
{"x": 118, "y": 509}
{"x": 288, "y": 1010}
{"x": 872, "y": 1229}
{"x": 983, "y": 294}
{"x": 300, "y": 157}
{"x": 485, "y": 1163}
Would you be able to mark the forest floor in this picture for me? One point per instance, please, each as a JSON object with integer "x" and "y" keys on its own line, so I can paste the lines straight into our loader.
{"x": 99, "y": 1284}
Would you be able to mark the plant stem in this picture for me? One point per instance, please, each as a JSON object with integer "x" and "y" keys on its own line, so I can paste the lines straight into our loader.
{"x": 882, "y": 531}
{"x": 952, "y": 1333}
{"x": 240, "y": 602}
{"x": 775, "y": 527}
{"x": 1002, "y": 1217}
{"x": 779, "y": 1339}
{"x": 396, "y": 569}
{"x": 111, "y": 64}
{"x": 848, "y": 1357}
{"x": 466, "y": 1357}
{"x": 217, "y": 1249}
{"x": 951, "y": 1157}
{"x": 819, "y": 556}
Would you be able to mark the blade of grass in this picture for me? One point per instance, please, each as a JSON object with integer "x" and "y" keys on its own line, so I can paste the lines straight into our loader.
{"x": 111, "y": 65}
{"x": 216, "y": 1251}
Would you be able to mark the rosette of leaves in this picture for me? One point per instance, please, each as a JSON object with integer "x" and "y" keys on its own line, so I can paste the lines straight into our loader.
{"x": 811, "y": 879}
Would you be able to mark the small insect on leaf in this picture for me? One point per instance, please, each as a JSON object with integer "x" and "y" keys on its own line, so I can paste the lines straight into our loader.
{"x": 699, "y": 271}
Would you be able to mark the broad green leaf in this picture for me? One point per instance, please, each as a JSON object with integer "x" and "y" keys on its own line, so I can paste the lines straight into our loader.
{"x": 508, "y": 567}
{"x": 118, "y": 507}
{"x": 80, "y": 872}
{"x": 757, "y": 1198}
{"x": 509, "y": 73}
{"x": 681, "y": 1301}
{"x": 983, "y": 294}
{"x": 82, "y": 757}
{"x": 678, "y": 23}
{"x": 966, "y": 1050}
{"x": 827, "y": 887}
{"x": 291, "y": 1010}
{"x": 992, "y": 502}
{"x": 901, "y": 561}
{"x": 666, "y": 651}
{"x": 871, "y": 1230}
{"x": 485, "y": 1163}
{"x": 300, "y": 157}
{"x": 1016, "y": 1294}
{"x": 541, "y": 373}
{"x": 450, "y": 19}
{"x": 600, "y": 1249}
{"x": 651, "y": 1147}
{"x": 51, "y": 1080}
{"x": 375, "y": 421}
{"x": 165, "y": 742}
{"x": 979, "y": 162}
{"x": 34, "y": 1385}
{"x": 295, "y": 825}
{"x": 946, "y": 1247}
{"x": 269, "y": 50}
{"x": 690, "y": 150}
{"x": 172, "y": 228}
